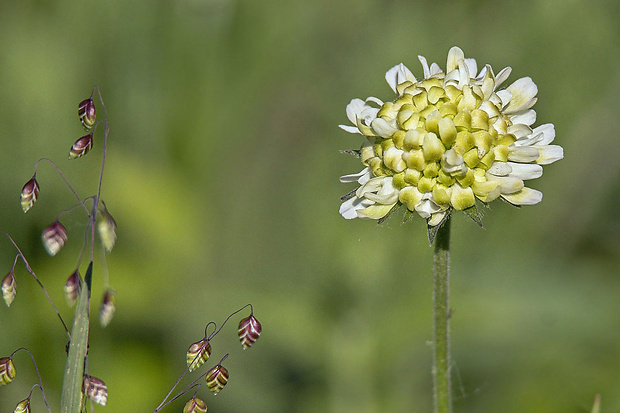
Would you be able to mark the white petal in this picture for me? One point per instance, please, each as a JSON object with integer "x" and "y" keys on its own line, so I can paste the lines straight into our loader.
{"x": 386, "y": 195}
{"x": 397, "y": 75}
{"x": 452, "y": 78}
{"x": 354, "y": 108}
{"x": 526, "y": 118}
{"x": 382, "y": 127}
{"x": 435, "y": 69}
{"x": 525, "y": 170}
{"x": 502, "y": 76}
{"x": 426, "y": 208}
{"x": 452, "y": 161}
{"x": 527, "y": 196}
{"x": 549, "y": 154}
{"x": 489, "y": 108}
{"x": 472, "y": 66}
{"x": 348, "y": 209}
{"x": 529, "y": 140}
{"x": 350, "y": 129}
{"x": 375, "y": 100}
{"x": 519, "y": 130}
{"x": 509, "y": 184}
{"x": 427, "y": 71}
{"x": 523, "y": 154}
{"x": 523, "y": 92}
{"x": 379, "y": 189}
{"x": 500, "y": 169}
{"x": 505, "y": 96}
{"x": 454, "y": 55}
{"x": 464, "y": 74}
{"x": 548, "y": 131}
{"x": 363, "y": 175}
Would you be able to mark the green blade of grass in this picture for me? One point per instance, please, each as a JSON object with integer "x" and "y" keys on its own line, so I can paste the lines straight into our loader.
{"x": 74, "y": 369}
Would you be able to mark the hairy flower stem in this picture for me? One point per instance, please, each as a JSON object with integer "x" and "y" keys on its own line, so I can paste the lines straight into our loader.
{"x": 442, "y": 395}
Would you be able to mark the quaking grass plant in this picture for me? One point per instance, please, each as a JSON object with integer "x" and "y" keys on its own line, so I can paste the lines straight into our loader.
{"x": 451, "y": 141}
{"x": 79, "y": 385}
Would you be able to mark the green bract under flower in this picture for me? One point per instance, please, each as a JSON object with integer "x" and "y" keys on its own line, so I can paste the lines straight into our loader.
{"x": 447, "y": 140}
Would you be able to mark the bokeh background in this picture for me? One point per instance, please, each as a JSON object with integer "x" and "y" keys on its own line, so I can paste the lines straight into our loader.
{"x": 222, "y": 174}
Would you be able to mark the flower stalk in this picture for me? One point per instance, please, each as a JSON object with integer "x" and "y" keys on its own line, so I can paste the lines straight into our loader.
{"x": 442, "y": 395}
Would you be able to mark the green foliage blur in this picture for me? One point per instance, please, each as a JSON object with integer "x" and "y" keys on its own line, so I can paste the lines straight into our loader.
{"x": 222, "y": 174}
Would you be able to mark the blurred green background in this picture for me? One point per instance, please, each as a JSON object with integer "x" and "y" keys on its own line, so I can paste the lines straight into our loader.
{"x": 222, "y": 174}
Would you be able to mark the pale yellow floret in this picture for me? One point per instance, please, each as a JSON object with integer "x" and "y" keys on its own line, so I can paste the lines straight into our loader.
{"x": 486, "y": 191}
{"x": 432, "y": 147}
{"x": 375, "y": 211}
{"x": 479, "y": 120}
{"x": 462, "y": 121}
{"x": 447, "y": 131}
{"x": 426, "y": 184}
{"x": 432, "y": 122}
{"x": 462, "y": 198}
{"x": 442, "y": 194}
{"x": 410, "y": 197}
{"x": 415, "y": 159}
{"x": 464, "y": 142}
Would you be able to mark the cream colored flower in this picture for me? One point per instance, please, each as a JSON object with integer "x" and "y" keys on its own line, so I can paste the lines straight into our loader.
{"x": 447, "y": 140}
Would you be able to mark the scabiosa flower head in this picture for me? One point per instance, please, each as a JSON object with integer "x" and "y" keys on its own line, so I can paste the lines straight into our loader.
{"x": 30, "y": 192}
{"x": 54, "y": 237}
{"x": 7, "y": 370}
{"x": 195, "y": 405}
{"x": 87, "y": 113}
{"x": 8, "y": 288}
{"x": 447, "y": 140}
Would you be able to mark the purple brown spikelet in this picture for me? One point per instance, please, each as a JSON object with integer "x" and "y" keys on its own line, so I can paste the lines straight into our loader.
{"x": 195, "y": 405}
{"x": 87, "y": 113}
{"x": 81, "y": 147}
{"x": 7, "y": 371}
{"x": 72, "y": 287}
{"x": 23, "y": 406}
{"x": 217, "y": 378}
{"x": 54, "y": 237}
{"x": 96, "y": 390}
{"x": 8, "y": 288}
{"x": 249, "y": 331}
{"x": 30, "y": 193}
{"x": 106, "y": 226}
{"x": 197, "y": 354}
{"x": 108, "y": 307}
